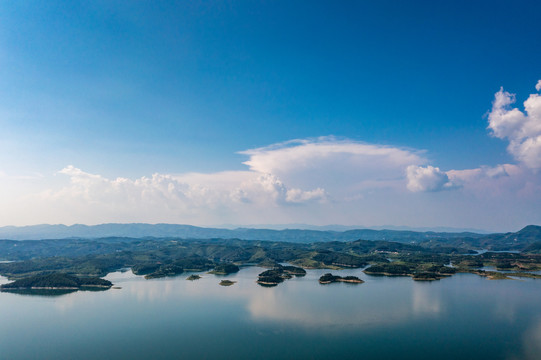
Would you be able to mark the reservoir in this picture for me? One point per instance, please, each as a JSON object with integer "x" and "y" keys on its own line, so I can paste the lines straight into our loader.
{"x": 462, "y": 317}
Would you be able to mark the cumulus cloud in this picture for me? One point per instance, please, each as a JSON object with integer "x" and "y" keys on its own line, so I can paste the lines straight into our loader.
{"x": 295, "y": 172}
{"x": 299, "y": 196}
{"x": 538, "y": 86}
{"x": 178, "y": 192}
{"x": 321, "y": 176}
{"x": 506, "y": 181}
{"x": 280, "y": 180}
{"x": 427, "y": 178}
{"x": 324, "y": 180}
{"x": 521, "y": 129}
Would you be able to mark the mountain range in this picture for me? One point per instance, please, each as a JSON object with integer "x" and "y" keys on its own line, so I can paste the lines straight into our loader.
{"x": 141, "y": 230}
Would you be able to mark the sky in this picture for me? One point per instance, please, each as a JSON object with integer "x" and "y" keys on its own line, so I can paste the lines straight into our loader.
{"x": 366, "y": 113}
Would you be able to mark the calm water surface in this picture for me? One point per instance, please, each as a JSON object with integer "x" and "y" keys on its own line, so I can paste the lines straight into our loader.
{"x": 463, "y": 317}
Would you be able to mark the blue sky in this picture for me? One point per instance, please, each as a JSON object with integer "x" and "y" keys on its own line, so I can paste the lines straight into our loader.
{"x": 101, "y": 101}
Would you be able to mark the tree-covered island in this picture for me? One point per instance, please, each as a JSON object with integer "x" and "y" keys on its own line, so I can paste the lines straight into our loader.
{"x": 57, "y": 281}
{"x": 330, "y": 278}
{"x": 227, "y": 282}
{"x": 277, "y": 275}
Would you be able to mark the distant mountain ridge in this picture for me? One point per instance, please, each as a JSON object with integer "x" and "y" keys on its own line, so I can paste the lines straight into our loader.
{"x": 529, "y": 235}
{"x": 335, "y": 227}
{"x": 140, "y": 230}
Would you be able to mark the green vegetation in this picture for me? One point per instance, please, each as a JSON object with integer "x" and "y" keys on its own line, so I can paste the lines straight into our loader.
{"x": 496, "y": 275}
{"x": 165, "y": 270}
{"x": 418, "y": 270}
{"x": 524, "y": 275}
{"x": 224, "y": 269}
{"x": 56, "y": 281}
{"x": 492, "y": 275}
{"x": 268, "y": 263}
{"x": 227, "y": 282}
{"x": 330, "y": 278}
{"x": 272, "y": 277}
{"x": 500, "y": 261}
{"x": 426, "y": 276}
{"x": 277, "y": 275}
{"x": 144, "y": 268}
{"x": 525, "y": 240}
{"x": 293, "y": 270}
{"x": 154, "y": 258}
{"x": 534, "y": 248}
{"x": 392, "y": 269}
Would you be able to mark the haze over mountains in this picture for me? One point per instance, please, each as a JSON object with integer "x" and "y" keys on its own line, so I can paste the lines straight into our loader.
{"x": 336, "y": 227}
{"x": 139, "y": 230}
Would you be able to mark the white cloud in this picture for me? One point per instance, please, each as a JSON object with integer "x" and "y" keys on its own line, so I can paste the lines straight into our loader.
{"x": 297, "y": 172}
{"x": 483, "y": 172}
{"x": 29, "y": 176}
{"x": 177, "y": 192}
{"x": 538, "y": 86}
{"x": 427, "y": 178}
{"x": 507, "y": 181}
{"x": 521, "y": 129}
{"x": 299, "y": 196}
{"x": 297, "y": 181}
{"x": 330, "y": 153}
{"x": 344, "y": 168}
{"x": 318, "y": 181}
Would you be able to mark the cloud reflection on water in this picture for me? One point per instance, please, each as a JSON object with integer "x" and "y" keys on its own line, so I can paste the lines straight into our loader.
{"x": 531, "y": 344}
{"x": 299, "y": 301}
{"x": 303, "y": 302}
{"x": 425, "y": 299}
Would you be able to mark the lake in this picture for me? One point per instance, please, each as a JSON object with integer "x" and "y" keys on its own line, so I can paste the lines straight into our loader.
{"x": 462, "y": 317}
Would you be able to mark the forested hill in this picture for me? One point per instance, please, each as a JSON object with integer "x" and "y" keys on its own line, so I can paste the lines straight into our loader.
{"x": 39, "y": 232}
{"x": 528, "y": 239}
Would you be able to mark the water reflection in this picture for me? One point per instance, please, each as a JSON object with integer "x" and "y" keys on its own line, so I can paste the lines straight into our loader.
{"x": 42, "y": 292}
{"x": 531, "y": 344}
{"x": 426, "y": 299}
{"x": 460, "y": 317}
{"x": 298, "y": 301}
{"x": 506, "y": 308}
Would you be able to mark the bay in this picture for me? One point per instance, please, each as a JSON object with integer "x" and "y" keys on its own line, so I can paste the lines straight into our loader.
{"x": 465, "y": 316}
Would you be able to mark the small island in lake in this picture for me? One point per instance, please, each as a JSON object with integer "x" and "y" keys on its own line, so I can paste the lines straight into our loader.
{"x": 419, "y": 272}
{"x": 171, "y": 267}
{"x": 227, "y": 282}
{"x": 277, "y": 275}
{"x": 193, "y": 277}
{"x": 57, "y": 281}
{"x": 330, "y": 278}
